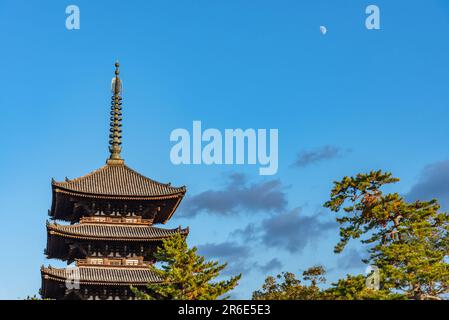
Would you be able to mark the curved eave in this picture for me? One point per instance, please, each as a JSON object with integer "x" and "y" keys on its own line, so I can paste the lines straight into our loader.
{"x": 59, "y": 189}
{"x": 118, "y": 180}
{"x": 60, "y": 195}
{"x": 53, "y": 231}
{"x": 175, "y": 207}
{"x": 51, "y": 277}
{"x": 47, "y": 275}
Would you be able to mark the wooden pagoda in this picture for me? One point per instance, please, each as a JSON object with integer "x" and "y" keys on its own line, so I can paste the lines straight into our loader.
{"x": 111, "y": 235}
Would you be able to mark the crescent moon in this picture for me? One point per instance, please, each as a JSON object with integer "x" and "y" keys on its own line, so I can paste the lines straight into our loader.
{"x": 323, "y": 30}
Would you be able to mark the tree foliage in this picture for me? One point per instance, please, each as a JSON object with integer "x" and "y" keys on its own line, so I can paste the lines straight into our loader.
{"x": 186, "y": 275}
{"x": 408, "y": 241}
{"x": 287, "y": 287}
{"x": 354, "y": 288}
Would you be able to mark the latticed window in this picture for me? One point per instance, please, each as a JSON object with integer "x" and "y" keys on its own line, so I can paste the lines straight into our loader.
{"x": 96, "y": 261}
{"x": 115, "y": 262}
{"x": 132, "y": 262}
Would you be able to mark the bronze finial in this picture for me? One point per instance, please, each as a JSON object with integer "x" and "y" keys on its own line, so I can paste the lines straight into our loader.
{"x": 115, "y": 136}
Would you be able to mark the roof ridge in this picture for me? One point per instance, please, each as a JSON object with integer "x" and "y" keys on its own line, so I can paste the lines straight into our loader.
{"x": 106, "y": 166}
{"x": 104, "y": 274}
{"x": 118, "y": 180}
{"x": 143, "y": 176}
{"x": 53, "y": 225}
{"x": 102, "y": 168}
{"x": 147, "y": 233}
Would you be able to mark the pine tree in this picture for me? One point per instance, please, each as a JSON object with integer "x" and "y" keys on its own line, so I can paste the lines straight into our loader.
{"x": 185, "y": 274}
{"x": 287, "y": 287}
{"x": 409, "y": 242}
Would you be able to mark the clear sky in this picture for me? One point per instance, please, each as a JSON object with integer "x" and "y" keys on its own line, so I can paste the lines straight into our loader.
{"x": 345, "y": 102}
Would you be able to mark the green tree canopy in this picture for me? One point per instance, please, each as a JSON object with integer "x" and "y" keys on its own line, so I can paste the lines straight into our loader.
{"x": 354, "y": 288}
{"x": 408, "y": 241}
{"x": 287, "y": 287}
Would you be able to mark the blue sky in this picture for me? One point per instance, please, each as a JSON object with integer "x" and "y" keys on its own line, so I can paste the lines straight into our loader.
{"x": 349, "y": 101}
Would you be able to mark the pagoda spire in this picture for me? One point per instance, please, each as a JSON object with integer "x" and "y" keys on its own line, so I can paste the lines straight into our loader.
{"x": 115, "y": 136}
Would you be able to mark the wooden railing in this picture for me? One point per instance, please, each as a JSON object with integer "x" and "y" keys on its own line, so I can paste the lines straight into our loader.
{"x": 114, "y": 262}
{"x": 118, "y": 220}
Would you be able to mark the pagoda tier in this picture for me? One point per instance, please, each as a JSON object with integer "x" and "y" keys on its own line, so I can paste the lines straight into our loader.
{"x": 90, "y": 282}
{"x": 114, "y": 189}
{"x": 105, "y": 239}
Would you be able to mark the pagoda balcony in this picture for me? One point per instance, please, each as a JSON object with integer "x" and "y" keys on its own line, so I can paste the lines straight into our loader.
{"x": 128, "y": 262}
{"x": 133, "y": 220}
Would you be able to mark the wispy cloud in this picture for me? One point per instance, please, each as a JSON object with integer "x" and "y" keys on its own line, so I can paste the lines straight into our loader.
{"x": 236, "y": 255}
{"x": 291, "y": 231}
{"x": 351, "y": 259}
{"x": 432, "y": 184}
{"x": 307, "y": 158}
{"x": 273, "y": 264}
{"x": 247, "y": 234}
{"x": 237, "y": 195}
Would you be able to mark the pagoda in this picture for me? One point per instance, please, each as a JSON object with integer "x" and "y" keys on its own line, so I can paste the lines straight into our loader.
{"x": 108, "y": 225}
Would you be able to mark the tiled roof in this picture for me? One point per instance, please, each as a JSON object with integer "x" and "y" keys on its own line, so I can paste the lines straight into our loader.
{"x": 103, "y": 275}
{"x": 118, "y": 180}
{"x": 113, "y": 231}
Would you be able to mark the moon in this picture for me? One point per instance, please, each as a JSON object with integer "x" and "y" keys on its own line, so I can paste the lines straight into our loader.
{"x": 323, "y": 30}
